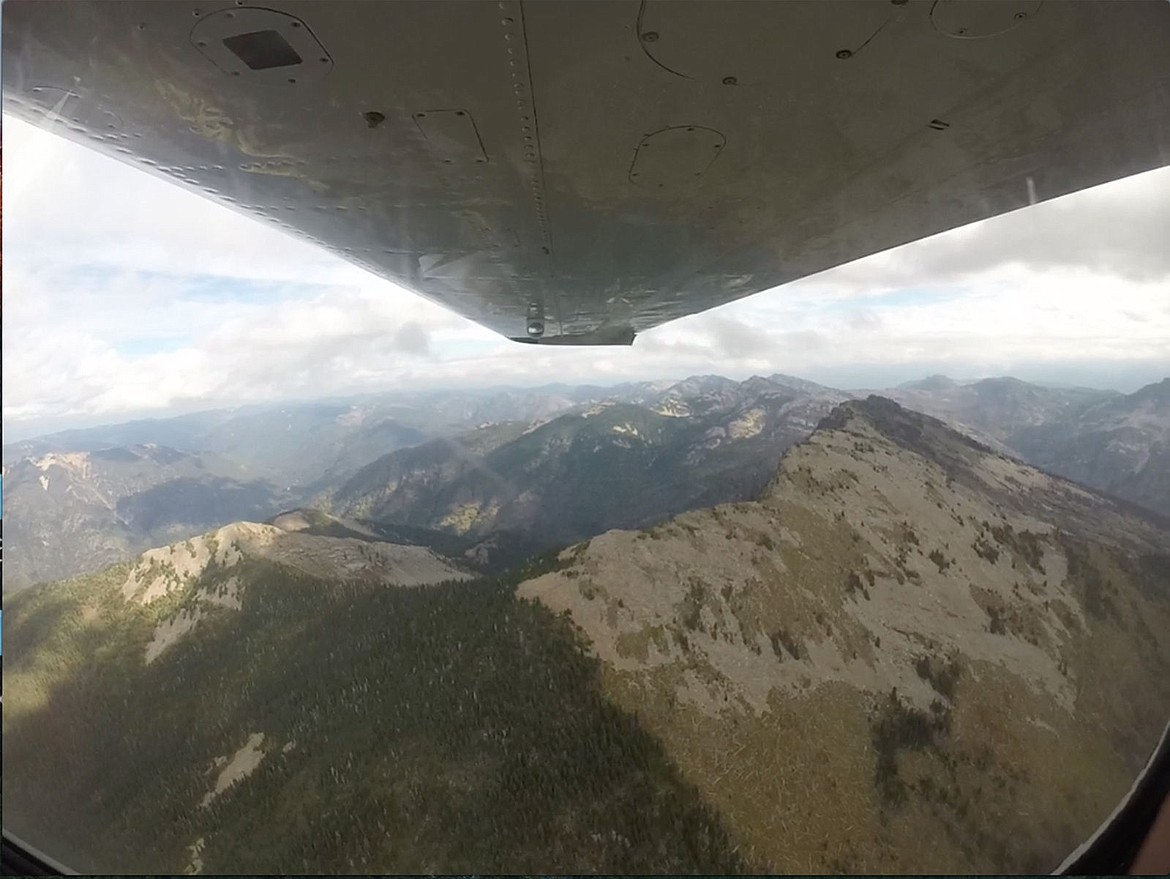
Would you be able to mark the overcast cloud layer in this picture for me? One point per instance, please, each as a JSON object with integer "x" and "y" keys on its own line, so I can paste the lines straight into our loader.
{"x": 128, "y": 296}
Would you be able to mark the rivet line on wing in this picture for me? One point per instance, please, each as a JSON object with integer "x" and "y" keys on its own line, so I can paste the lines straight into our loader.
{"x": 520, "y": 74}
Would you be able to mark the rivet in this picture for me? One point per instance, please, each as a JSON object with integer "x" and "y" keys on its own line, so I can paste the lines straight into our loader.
{"x": 844, "y": 53}
{"x": 729, "y": 80}
{"x": 650, "y": 36}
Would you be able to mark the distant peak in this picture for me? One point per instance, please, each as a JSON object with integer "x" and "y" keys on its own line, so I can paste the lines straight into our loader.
{"x": 930, "y": 383}
{"x": 1155, "y": 391}
{"x": 797, "y": 384}
{"x": 1003, "y": 381}
{"x": 703, "y": 383}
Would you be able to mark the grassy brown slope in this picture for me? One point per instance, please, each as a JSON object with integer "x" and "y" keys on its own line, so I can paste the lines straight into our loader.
{"x": 910, "y": 654}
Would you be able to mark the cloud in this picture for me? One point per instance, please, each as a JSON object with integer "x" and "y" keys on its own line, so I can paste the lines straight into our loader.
{"x": 128, "y": 296}
{"x": 734, "y": 338}
{"x": 1120, "y": 229}
{"x": 863, "y": 319}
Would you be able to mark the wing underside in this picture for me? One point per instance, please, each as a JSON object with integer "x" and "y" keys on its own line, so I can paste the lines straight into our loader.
{"x": 576, "y": 173}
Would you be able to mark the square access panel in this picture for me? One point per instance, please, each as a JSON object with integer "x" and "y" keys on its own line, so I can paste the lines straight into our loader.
{"x": 261, "y": 45}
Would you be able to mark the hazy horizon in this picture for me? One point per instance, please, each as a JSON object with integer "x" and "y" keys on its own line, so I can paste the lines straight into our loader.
{"x": 34, "y": 430}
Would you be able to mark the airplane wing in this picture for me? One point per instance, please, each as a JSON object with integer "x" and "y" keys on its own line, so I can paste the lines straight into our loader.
{"x": 571, "y": 172}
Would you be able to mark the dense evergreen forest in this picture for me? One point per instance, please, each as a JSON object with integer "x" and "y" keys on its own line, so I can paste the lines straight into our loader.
{"x": 451, "y": 728}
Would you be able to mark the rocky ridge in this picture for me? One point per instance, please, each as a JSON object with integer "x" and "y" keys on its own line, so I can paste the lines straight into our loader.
{"x": 906, "y": 633}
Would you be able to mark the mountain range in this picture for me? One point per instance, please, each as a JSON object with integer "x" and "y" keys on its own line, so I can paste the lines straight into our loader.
{"x": 70, "y": 512}
{"x": 909, "y": 652}
{"x": 642, "y": 456}
{"x": 612, "y": 464}
{"x": 1117, "y": 443}
{"x": 515, "y": 470}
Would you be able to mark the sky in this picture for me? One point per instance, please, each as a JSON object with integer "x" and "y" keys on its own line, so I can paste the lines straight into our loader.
{"x": 127, "y": 296}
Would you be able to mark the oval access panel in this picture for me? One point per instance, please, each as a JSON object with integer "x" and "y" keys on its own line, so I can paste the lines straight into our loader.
{"x": 676, "y": 155}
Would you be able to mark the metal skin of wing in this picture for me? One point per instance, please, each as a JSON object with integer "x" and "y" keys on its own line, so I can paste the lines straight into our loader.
{"x": 574, "y": 173}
